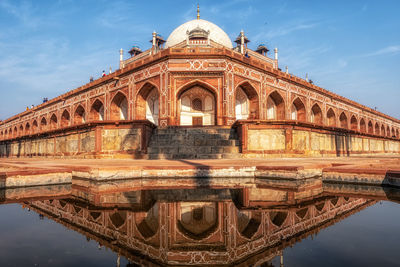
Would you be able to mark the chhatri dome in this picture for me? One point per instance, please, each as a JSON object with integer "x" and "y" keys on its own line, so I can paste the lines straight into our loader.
{"x": 196, "y": 28}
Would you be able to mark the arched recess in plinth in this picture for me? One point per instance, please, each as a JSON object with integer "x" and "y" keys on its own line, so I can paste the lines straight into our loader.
{"x": 97, "y": 111}
{"x": 343, "y": 121}
{"x": 43, "y": 124}
{"x": 383, "y": 131}
{"x": 248, "y": 222}
{"x": 370, "y": 128}
{"x": 27, "y": 128}
{"x": 377, "y": 129}
{"x": 331, "y": 118}
{"x": 10, "y": 133}
{"x": 388, "y": 133}
{"x": 353, "y": 123}
{"x": 15, "y": 132}
{"x": 119, "y": 107}
{"x": 65, "y": 118}
{"x": 196, "y": 105}
{"x": 275, "y": 106}
{"x": 298, "y": 110}
{"x": 147, "y": 103}
{"x": 316, "y": 114}
{"x": 397, "y": 133}
{"x": 53, "y": 121}
{"x": 363, "y": 126}
{"x": 246, "y": 102}
{"x": 197, "y": 220}
{"x": 79, "y": 115}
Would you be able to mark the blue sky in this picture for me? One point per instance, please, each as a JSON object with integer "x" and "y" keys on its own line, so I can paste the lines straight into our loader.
{"x": 351, "y": 48}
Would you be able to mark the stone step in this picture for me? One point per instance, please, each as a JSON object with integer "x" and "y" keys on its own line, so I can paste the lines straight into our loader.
{"x": 196, "y": 142}
{"x": 193, "y": 149}
{"x": 179, "y": 136}
{"x": 195, "y": 156}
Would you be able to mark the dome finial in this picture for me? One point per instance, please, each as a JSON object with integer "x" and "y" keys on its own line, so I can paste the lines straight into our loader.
{"x": 198, "y": 11}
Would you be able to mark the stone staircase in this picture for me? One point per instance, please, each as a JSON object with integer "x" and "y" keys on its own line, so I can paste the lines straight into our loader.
{"x": 194, "y": 143}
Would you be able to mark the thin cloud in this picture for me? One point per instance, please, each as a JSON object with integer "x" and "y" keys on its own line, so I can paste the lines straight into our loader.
{"x": 389, "y": 50}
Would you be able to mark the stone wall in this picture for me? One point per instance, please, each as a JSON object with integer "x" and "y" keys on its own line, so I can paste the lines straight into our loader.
{"x": 295, "y": 139}
{"x": 96, "y": 141}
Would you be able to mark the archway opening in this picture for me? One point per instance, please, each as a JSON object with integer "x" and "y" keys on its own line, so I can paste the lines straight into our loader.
{"x": 298, "y": 110}
{"x": 43, "y": 124}
{"x": 363, "y": 126}
{"x": 388, "y": 131}
{"x": 197, "y": 107}
{"x": 21, "y": 130}
{"x": 34, "y": 126}
{"x": 316, "y": 114}
{"x": 370, "y": 128}
{"x": 275, "y": 107}
{"x": 331, "y": 118}
{"x": 383, "y": 132}
{"x": 397, "y": 133}
{"x": 343, "y": 120}
{"x": 15, "y": 132}
{"x": 119, "y": 107}
{"x": 79, "y": 115}
{"x": 377, "y": 132}
{"x": 353, "y": 123}
{"x": 53, "y": 121}
{"x": 148, "y": 104}
{"x": 65, "y": 118}
{"x": 97, "y": 111}
{"x": 246, "y": 102}
{"x": 27, "y": 128}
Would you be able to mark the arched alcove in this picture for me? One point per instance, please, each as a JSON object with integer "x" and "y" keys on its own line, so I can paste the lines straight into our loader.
{"x": 196, "y": 106}
{"x": 343, "y": 121}
{"x": 97, "y": 111}
{"x": 197, "y": 220}
{"x": 275, "y": 107}
{"x": 377, "y": 129}
{"x": 248, "y": 222}
{"x": 34, "y": 126}
{"x": 363, "y": 126}
{"x": 27, "y": 128}
{"x": 79, "y": 115}
{"x": 370, "y": 128}
{"x": 152, "y": 106}
{"x": 298, "y": 110}
{"x": 331, "y": 118}
{"x": 43, "y": 124}
{"x": 383, "y": 132}
{"x": 53, "y": 121}
{"x": 353, "y": 123}
{"x": 119, "y": 107}
{"x": 65, "y": 118}
{"x": 147, "y": 222}
{"x": 21, "y": 130}
{"x": 316, "y": 114}
{"x": 388, "y": 133}
{"x": 246, "y": 102}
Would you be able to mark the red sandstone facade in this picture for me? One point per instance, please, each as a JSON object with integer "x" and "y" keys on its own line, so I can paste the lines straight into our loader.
{"x": 197, "y": 82}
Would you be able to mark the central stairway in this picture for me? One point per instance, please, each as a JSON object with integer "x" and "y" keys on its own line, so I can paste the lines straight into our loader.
{"x": 214, "y": 142}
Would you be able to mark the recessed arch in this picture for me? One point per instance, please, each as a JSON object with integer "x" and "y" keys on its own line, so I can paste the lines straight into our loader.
{"x": 15, "y": 132}
{"x": 383, "y": 131}
{"x": 248, "y": 223}
{"x": 370, "y": 128}
{"x": 397, "y": 133}
{"x": 79, "y": 115}
{"x": 147, "y": 222}
{"x": 278, "y": 217}
{"x": 298, "y": 110}
{"x": 43, "y": 124}
{"x": 343, "y": 120}
{"x": 353, "y": 123}
{"x": 388, "y": 134}
{"x": 196, "y": 106}
{"x": 246, "y": 102}
{"x": 197, "y": 220}
{"x": 119, "y": 107}
{"x": 53, "y": 121}
{"x": 65, "y": 118}
{"x": 147, "y": 104}
{"x": 275, "y": 106}
{"x": 363, "y": 126}
{"x": 331, "y": 118}
{"x": 316, "y": 114}
{"x": 21, "y": 130}
{"x": 118, "y": 218}
{"x": 377, "y": 129}
{"x": 27, "y": 128}
{"x": 34, "y": 126}
{"x": 97, "y": 111}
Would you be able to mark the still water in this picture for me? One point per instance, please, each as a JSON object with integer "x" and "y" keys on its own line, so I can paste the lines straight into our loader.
{"x": 64, "y": 226}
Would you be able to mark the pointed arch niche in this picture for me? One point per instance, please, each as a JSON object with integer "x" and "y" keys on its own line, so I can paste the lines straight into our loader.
{"x": 97, "y": 111}
{"x": 298, "y": 110}
{"x": 148, "y": 103}
{"x": 196, "y": 106}
{"x": 316, "y": 114}
{"x": 119, "y": 107}
{"x": 275, "y": 107}
{"x": 246, "y": 102}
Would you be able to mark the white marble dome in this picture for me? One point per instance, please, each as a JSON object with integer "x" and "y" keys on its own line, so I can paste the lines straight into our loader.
{"x": 216, "y": 33}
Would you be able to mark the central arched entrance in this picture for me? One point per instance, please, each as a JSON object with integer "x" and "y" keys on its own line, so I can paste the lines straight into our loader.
{"x": 196, "y": 107}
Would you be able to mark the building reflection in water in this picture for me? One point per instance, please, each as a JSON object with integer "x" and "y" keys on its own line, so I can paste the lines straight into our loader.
{"x": 241, "y": 227}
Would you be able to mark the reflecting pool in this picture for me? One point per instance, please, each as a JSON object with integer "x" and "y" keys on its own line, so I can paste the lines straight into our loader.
{"x": 316, "y": 225}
